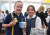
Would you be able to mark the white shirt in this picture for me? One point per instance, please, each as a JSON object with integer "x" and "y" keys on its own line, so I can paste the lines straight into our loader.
{"x": 38, "y": 21}
{"x": 48, "y": 19}
{"x": 1, "y": 17}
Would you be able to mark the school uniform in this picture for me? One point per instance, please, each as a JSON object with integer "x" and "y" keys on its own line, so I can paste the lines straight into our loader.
{"x": 17, "y": 29}
{"x": 32, "y": 23}
{"x": 48, "y": 21}
{"x": 42, "y": 17}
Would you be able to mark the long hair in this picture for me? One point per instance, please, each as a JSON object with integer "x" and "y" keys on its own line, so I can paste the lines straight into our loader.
{"x": 41, "y": 9}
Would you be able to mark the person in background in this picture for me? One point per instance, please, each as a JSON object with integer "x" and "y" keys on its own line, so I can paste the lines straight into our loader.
{"x": 32, "y": 20}
{"x": 3, "y": 29}
{"x": 48, "y": 22}
{"x": 1, "y": 18}
{"x": 25, "y": 14}
{"x": 46, "y": 13}
{"x": 3, "y": 12}
{"x": 7, "y": 12}
{"x": 41, "y": 14}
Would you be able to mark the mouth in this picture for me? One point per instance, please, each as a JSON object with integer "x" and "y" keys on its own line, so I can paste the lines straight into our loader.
{"x": 18, "y": 10}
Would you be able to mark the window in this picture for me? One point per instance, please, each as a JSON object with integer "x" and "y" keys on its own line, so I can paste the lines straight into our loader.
{"x": 14, "y": 0}
{"x": 5, "y": 6}
{"x": 32, "y": 0}
{"x": 12, "y": 7}
{"x": 25, "y": 5}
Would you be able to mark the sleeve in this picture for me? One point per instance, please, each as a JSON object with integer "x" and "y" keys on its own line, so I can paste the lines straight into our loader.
{"x": 46, "y": 14}
{"x": 43, "y": 17}
{"x": 0, "y": 26}
{"x": 6, "y": 21}
{"x": 47, "y": 19}
{"x": 38, "y": 23}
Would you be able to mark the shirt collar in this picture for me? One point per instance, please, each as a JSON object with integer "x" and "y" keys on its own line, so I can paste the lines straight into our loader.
{"x": 16, "y": 14}
{"x": 32, "y": 16}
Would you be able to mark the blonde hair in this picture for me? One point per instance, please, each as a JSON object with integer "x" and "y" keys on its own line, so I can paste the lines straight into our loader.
{"x": 17, "y": 2}
{"x": 0, "y": 9}
{"x": 41, "y": 9}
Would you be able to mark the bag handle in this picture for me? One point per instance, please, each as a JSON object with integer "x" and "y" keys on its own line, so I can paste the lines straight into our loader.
{"x": 12, "y": 26}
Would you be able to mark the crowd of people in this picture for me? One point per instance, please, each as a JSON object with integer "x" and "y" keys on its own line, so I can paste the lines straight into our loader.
{"x": 34, "y": 19}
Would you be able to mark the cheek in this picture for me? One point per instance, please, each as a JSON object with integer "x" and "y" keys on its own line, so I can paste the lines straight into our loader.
{"x": 30, "y": 12}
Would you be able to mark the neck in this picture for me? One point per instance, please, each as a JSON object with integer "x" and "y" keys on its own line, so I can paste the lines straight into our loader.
{"x": 17, "y": 13}
{"x": 30, "y": 16}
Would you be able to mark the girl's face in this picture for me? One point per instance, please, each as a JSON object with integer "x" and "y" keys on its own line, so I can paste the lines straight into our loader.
{"x": 30, "y": 11}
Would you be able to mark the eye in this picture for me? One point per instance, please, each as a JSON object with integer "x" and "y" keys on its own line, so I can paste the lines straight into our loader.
{"x": 17, "y": 6}
{"x": 21, "y": 7}
{"x": 30, "y": 10}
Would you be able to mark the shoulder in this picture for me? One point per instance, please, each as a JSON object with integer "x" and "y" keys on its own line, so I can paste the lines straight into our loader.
{"x": 23, "y": 17}
{"x": 38, "y": 18}
{"x": 42, "y": 13}
{"x": 8, "y": 15}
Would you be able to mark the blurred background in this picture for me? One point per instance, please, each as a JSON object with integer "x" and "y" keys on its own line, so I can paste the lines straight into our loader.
{"x": 8, "y": 5}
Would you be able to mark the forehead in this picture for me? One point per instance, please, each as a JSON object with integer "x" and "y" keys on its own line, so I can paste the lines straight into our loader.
{"x": 30, "y": 7}
{"x": 19, "y": 4}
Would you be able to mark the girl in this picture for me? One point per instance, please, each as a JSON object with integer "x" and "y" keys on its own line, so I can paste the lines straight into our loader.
{"x": 32, "y": 20}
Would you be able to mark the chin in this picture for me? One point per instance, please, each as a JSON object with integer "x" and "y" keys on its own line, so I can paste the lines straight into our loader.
{"x": 30, "y": 14}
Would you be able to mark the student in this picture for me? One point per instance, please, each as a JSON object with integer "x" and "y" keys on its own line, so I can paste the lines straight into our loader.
{"x": 41, "y": 14}
{"x": 1, "y": 17}
{"x": 15, "y": 30}
{"x": 32, "y": 20}
{"x": 48, "y": 21}
{"x": 7, "y": 12}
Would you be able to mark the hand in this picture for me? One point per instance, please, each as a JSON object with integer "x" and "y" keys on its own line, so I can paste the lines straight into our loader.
{"x": 43, "y": 26}
{"x": 37, "y": 28}
{"x": 12, "y": 23}
{"x": 47, "y": 28}
{"x": 3, "y": 29}
{"x": 24, "y": 28}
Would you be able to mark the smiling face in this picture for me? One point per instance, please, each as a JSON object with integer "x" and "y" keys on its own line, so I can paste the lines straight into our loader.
{"x": 31, "y": 10}
{"x": 18, "y": 7}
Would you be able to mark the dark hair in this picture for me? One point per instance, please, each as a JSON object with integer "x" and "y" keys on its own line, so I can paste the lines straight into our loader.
{"x": 7, "y": 11}
{"x": 17, "y": 2}
{"x": 2, "y": 11}
{"x": 49, "y": 10}
{"x": 31, "y": 6}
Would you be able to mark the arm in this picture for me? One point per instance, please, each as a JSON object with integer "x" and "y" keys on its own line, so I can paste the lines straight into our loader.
{"x": 43, "y": 17}
{"x": 7, "y": 22}
{"x": 38, "y": 23}
{"x": 12, "y": 23}
{"x": 5, "y": 25}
